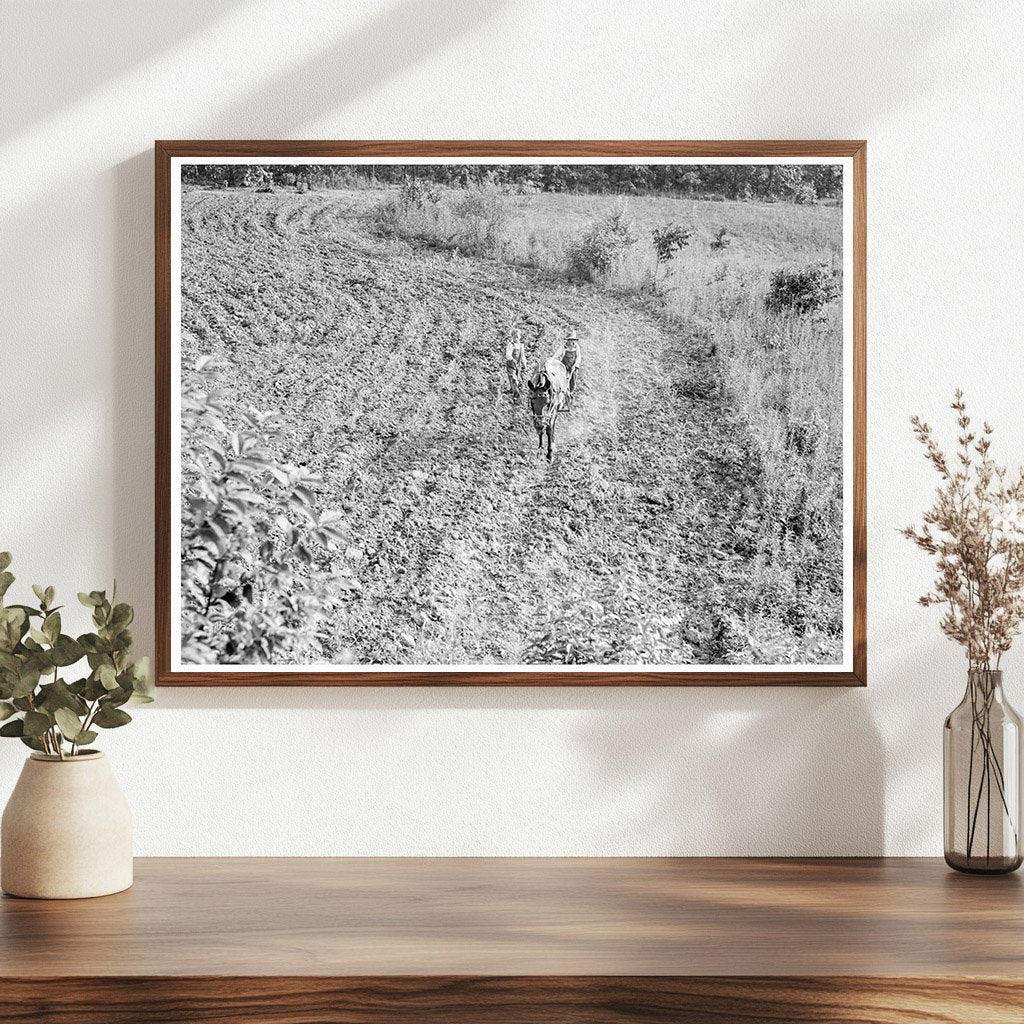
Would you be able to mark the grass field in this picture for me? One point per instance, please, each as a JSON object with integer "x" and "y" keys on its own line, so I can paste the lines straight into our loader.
{"x": 693, "y": 513}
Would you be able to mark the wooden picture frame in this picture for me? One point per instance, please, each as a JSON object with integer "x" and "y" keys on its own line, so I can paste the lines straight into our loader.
{"x": 851, "y": 671}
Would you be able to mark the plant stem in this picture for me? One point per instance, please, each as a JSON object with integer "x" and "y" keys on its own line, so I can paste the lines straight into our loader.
{"x": 58, "y": 739}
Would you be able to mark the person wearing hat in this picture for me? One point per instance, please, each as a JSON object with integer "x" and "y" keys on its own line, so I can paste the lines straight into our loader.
{"x": 515, "y": 360}
{"x": 570, "y": 357}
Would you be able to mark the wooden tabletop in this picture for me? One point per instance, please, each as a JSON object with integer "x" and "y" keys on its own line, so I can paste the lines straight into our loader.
{"x": 511, "y": 917}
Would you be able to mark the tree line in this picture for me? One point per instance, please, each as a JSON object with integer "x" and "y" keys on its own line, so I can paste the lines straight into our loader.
{"x": 768, "y": 182}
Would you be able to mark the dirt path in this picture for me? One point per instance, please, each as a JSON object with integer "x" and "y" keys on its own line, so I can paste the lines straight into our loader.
{"x": 387, "y": 363}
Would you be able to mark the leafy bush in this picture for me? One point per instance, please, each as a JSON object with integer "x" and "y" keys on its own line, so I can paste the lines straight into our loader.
{"x": 594, "y": 254}
{"x": 804, "y": 192}
{"x": 483, "y": 213}
{"x": 472, "y": 219}
{"x": 669, "y": 240}
{"x": 802, "y": 289}
{"x": 56, "y": 717}
{"x": 417, "y": 194}
{"x": 721, "y": 240}
{"x": 254, "y": 589}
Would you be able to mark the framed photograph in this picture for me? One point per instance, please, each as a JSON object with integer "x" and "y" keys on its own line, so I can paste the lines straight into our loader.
{"x": 510, "y": 413}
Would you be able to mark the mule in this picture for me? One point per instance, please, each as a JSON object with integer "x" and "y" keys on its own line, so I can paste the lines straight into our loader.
{"x": 549, "y": 394}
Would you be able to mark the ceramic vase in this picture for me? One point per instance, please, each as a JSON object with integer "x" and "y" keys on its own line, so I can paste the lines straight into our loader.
{"x": 66, "y": 831}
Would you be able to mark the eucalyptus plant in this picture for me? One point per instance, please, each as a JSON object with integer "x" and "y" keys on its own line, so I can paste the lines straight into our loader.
{"x": 37, "y": 704}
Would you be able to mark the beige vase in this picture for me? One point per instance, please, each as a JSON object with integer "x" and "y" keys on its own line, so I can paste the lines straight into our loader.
{"x": 66, "y": 831}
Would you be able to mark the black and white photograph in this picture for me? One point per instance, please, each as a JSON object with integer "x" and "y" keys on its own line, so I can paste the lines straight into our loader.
{"x": 511, "y": 413}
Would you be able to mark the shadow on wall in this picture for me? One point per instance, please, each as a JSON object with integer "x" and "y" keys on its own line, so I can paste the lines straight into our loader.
{"x": 691, "y": 771}
{"x": 396, "y": 38}
{"x": 52, "y": 38}
{"x": 132, "y": 413}
{"x": 803, "y": 54}
{"x": 738, "y": 770}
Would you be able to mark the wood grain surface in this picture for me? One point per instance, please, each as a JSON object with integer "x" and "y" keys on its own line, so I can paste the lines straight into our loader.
{"x": 518, "y": 1000}
{"x": 504, "y": 940}
{"x": 166, "y": 150}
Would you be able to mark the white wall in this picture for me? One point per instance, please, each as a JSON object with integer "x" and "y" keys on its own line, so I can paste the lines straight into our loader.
{"x": 937, "y": 90}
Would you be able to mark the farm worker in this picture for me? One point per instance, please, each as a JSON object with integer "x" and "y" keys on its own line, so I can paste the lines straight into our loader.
{"x": 570, "y": 357}
{"x": 515, "y": 353}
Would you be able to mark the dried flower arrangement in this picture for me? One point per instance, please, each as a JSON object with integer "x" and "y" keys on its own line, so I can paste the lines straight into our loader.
{"x": 975, "y": 529}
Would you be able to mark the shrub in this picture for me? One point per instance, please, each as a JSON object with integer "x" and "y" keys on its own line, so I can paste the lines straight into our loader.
{"x": 417, "y": 194}
{"x": 594, "y": 254}
{"x": 472, "y": 220}
{"x": 252, "y": 589}
{"x": 669, "y": 240}
{"x": 804, "y": 193}
{"x": 483, "y": 214}
{"x": 721, "y": 240}
{"x": 803, "y": 289}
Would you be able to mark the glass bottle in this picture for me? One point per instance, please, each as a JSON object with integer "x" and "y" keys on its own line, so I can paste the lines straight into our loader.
{"x": 981, "y": 772}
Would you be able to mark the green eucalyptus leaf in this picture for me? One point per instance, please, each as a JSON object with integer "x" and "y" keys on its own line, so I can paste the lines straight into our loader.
{"x": 6, "y": 710}
{"x": 51, "y": 626}
{"x": 29, "y": 611}
{"x": 122, "y": 616}
{"x": 13, "y": 624}
{"x": 89, "y": 600}
{"x": 6, "y": 579}
{"x": 31, "y": 741}
{"x": 50, "y": 594}
{"x": 27, "y": 682}
{"x": 109, "y": 717}
{"x": 38, "y": 636}
{"x": 124, "y": 641}
{"x": 5, "y": 559}
{"x": 69, "y": 724}
{"x": 94, "y": 689}
{"x": 40, "y": 592}
{"x": 66, "y": 651}
{"x": 13, "y": 728}
{"x": 95, "y": 645}
{"x": 22, "y": 703}
{"x": 59, "y": 695}
{"x": 142, "y": 679}
{"x": 115, "y": 698}
{"x": 107, "y": 676}
{"x": 36, "y": 723}
{"x": 86, "y": 736}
